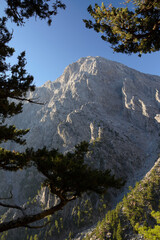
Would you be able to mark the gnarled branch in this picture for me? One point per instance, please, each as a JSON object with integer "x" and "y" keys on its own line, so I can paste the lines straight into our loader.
{"x": 28, "y": 219}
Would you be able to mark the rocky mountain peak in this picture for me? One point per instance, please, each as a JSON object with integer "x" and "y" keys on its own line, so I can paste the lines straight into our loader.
{"x": 94, "y": 99}
{"x": 113, "y": 107}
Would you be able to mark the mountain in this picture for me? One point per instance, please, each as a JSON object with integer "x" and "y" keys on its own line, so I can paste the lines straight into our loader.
{"x": 113, "y": 107}
{"x": 96, "y": 99}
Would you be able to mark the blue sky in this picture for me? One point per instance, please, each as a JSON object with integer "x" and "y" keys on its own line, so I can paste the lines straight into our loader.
{"x": 50, "y": 49}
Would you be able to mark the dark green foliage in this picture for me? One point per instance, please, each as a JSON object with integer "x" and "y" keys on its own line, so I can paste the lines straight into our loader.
{"x": 13, "y": 161}
{"x": 67, "y": 177}
{"x": 14, "y": 83}
{"x": 126, "y": 30}
{"x": 68, "y": 174}
{"x": 18, "y": 10}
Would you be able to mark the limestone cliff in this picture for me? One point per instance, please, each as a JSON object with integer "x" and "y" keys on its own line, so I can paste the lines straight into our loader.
{"x": 106, "y": 103}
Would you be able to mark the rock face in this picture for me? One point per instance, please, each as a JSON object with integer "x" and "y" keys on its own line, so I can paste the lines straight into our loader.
{"x": 96, "y": 100}
{"x": 106, "y": 103}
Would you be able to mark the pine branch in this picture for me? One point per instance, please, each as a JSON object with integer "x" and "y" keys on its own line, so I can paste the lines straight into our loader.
{"x": 27, "y": 219}
{"x": 28, "y": 100}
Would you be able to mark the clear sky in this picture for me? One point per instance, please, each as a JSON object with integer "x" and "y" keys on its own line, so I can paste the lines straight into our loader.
{"x": 50, "y": 49}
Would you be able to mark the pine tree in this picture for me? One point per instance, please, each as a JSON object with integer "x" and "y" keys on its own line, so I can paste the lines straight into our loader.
{"x": 14, "y": 84}
{"x": 126, "y": 30}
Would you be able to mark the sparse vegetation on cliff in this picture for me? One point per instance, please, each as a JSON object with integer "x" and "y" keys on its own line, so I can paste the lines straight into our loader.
{"x": 137, "y": 215}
